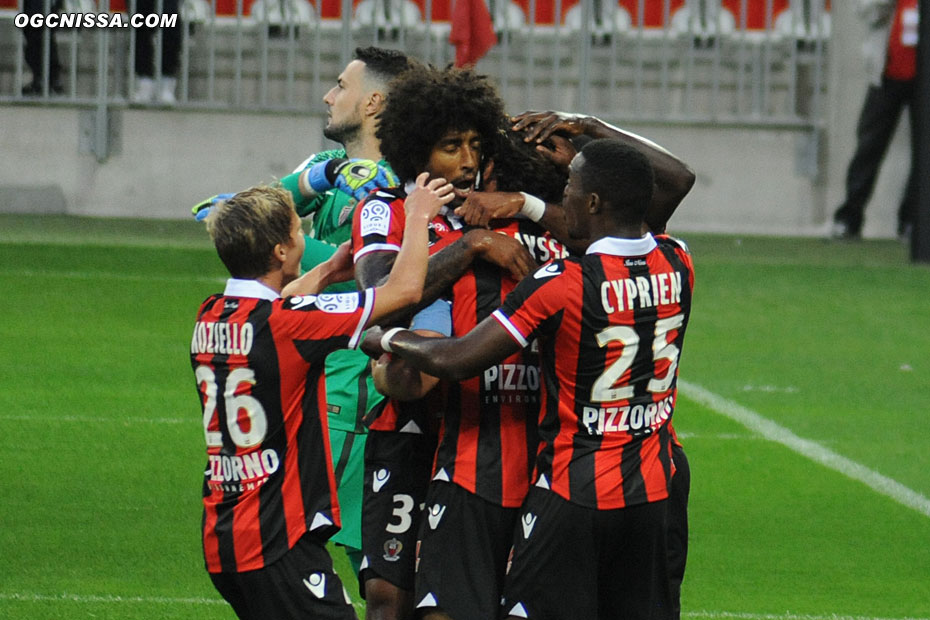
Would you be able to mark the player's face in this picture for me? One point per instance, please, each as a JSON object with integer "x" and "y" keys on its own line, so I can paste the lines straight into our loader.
{"x": 294, "y": 250}
{"x": 456, "y": 158}
{"x": 345, "y": 102}
{"x": 574, "y": 201}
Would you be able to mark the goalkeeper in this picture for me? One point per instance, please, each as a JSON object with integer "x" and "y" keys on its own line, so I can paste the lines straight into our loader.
{"x": 326, "y": 187}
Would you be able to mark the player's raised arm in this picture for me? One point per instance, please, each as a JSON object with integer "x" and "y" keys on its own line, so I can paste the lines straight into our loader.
{"x": 673, "y": 177}
{"x": 404, "y": 286}
{"x": 453, "y": 359}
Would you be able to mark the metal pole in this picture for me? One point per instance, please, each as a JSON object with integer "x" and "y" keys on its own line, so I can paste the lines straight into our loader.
{"x": 920, "y": 237}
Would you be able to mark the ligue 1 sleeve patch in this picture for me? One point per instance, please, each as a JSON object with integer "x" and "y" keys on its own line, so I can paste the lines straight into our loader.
{"x": 332, "y": 303}
{"x": 337, "y": 303}
{"x": 375, "y": 218}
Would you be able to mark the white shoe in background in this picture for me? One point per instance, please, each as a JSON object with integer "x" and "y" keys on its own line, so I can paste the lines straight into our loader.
{"x": 145, "y": 90}
{"x": 166, "y": 94}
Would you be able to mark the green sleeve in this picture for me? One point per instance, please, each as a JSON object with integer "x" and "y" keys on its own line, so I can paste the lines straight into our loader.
{"x": 305, "y": 206}
{"x": 315, "y": 253}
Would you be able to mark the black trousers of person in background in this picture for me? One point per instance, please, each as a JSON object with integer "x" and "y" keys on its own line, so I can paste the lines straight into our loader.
{"x": 145, "y": 40}
{"x": 877, "y": 123}
{"x": 677, "y": 536}
{"x": 33, "y": 54}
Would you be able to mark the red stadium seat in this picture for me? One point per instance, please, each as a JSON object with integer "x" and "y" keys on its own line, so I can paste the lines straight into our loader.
{"x": 755, "y": 18}
{"x": 653, "y": 12}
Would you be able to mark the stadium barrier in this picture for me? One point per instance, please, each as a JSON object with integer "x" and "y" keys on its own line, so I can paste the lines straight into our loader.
{"x": 740, "y": 62}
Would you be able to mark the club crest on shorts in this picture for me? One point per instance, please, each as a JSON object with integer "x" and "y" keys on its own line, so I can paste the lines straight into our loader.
{"x": 392, "y": 549}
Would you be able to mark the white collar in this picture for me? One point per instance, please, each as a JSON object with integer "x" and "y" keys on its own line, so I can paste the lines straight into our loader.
{"x": 250, "y": 288}
{"x": 623, "y": 247}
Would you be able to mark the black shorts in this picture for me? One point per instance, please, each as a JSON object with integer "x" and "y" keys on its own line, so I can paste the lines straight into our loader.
{"x": 397, "y": 472}
{"x": 302, "y": 584}
{"x": 462, "y": 553}
{"x": 574, "y": 562}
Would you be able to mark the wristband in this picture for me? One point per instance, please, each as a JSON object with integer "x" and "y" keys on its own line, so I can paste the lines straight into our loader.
{"x": 386, "y": 338}
{"x": 533, "y": 208}
{"x": 320, "y": 175}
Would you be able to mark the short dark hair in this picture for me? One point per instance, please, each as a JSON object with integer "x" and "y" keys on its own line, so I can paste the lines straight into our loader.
{"x": 383, "y": 63}
{"x": 246, "y": 227}
{"x": 620, "y": 175}
{"x": 519, "y": 167}
{"x": 424, "y": 104}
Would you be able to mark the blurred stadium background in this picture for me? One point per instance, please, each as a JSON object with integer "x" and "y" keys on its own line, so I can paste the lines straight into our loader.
{"x": 804, "y": 380}
{"x": 760, "y": 96}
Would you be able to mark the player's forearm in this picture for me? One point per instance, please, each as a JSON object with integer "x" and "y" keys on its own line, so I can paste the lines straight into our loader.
{"x": 312, "y": 282}
{"x": 443, "y": 270}
{"x": 404, "y": 285}
{"x": 437, "y": 357}
{"x": 673, "y": 177}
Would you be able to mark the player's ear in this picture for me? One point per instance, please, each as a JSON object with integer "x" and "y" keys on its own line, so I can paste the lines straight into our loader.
{"x": 594, "y": 203}
{"x": 280, "y": 252}
{"x": 375, "y": 103}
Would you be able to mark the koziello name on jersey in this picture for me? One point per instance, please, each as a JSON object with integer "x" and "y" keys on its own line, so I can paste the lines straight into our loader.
{"x": 239, "y": 473}
{"x": 222, "y": 338}
{"x": 641, "y": 292}
{"x": 636, "y": 420}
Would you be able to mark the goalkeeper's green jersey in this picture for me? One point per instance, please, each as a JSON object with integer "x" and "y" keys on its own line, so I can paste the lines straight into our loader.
{"x": 350, "y": 390}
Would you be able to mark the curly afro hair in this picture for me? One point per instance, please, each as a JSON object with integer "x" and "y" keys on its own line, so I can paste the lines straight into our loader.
{"x": 519, "y": 167}
{"x": 424, "y": 104}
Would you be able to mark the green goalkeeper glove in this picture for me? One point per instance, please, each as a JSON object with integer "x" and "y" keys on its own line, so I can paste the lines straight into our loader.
{"x": 356, "y": 177}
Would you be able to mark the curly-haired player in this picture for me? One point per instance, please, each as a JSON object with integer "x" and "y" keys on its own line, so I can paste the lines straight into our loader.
{"x": 425, "y": 106}
{"x": 447, "y": 123}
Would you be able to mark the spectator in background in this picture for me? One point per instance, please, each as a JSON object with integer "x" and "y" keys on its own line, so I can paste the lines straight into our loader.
{"x": 34, "y": 54}
{"x": 147, "y": 89}
{"x": 891, "y": 55}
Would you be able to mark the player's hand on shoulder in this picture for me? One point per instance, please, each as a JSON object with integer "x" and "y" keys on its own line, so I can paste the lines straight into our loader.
{"x": 480, "y": 208}
{"x": 428, "y": 197}
{"x": 503, "y": 251}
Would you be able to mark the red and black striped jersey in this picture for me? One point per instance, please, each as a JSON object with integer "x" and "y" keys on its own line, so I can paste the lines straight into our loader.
{"x": 489, "y": 437}
{"x": 258, "y": 364}
{"x": 610, "y": 326}
{"x": 379, "y": 220}
{"x": 378, "y": 225}
{"x": 420, "y": 416}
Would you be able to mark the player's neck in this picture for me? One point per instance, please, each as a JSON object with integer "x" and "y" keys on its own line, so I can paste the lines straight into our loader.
{"x": 273, "y": 280}
{"x": 364, "y": 147}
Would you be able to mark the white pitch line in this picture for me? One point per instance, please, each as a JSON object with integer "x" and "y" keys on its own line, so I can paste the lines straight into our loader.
{"x": 811, "y": 449}
{"x": 92, "y": 598}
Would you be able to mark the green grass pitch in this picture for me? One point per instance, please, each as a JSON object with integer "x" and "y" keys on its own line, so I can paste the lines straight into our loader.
{"x": 795, "y": 348}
